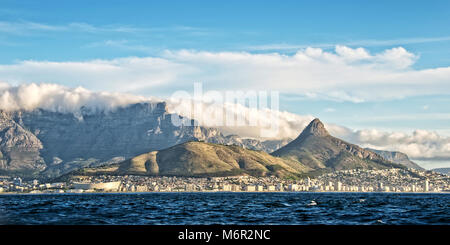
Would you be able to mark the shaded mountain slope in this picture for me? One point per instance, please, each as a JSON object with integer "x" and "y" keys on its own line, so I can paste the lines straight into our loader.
{"x": 202, "y": 159}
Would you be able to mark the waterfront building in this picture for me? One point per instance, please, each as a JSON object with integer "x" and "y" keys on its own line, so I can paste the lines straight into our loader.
{"x": 141, "y": 188}
{"x": 227, "y": 187}
{"x": 17, "y": 181}
{"x": 259, "y": 188}
{"x": 280, "y": 187}
{"x": 292, "y": 187}
{"x": 380, "y": 186}
{"x": 108, "y": 186}
{"x": 308, "y": 182}
{"x": 235, "y": 188}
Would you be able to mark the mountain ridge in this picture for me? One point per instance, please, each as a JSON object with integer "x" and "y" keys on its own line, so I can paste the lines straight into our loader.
{"x": 200, "y": 159}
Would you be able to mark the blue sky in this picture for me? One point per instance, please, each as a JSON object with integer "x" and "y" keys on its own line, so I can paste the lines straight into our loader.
{"x": 91, "y": 32}
{"x": 224, "y": 25}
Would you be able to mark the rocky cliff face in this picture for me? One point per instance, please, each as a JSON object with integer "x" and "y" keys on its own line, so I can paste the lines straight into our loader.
{"x": 19, "y": 148}
{"x": 54, "y": 143}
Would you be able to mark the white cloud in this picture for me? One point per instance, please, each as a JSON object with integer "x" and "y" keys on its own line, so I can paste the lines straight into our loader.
{"x": 245, "y": 122}
{"x": 58, "y": 98}
{"x": 420, "y": 144}
{"x": 122, "y": 74}
{"x": 346, "y": 74}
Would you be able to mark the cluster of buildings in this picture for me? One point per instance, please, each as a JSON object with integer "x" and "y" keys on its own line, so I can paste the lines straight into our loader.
{"x": 17, "y": 185}
{"x": 357, "y": 180}
{"x": 387, "y": 180}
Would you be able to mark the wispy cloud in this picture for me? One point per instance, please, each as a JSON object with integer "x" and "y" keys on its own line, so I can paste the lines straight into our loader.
{"x": 406, "y": 117}
{"x": 365, "y": 43}
{"x": 24, "y": 27}
{"x": 28, "y": 27}
{"x": 124, "y": 45}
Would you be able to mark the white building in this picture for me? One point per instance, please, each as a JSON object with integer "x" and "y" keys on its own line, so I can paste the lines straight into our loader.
{"x": 227, "y": 187}
{"x": 259, "y": 188}
{"x": 107, "y": 186}
{"x": 426, "y": 186}
{"x": 235, "y": 188}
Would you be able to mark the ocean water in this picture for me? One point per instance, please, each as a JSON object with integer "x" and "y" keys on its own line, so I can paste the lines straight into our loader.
{"x": 226, "y": 208}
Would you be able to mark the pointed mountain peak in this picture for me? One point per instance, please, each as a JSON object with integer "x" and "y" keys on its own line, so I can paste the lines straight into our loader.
{"x": 315, "y": 128}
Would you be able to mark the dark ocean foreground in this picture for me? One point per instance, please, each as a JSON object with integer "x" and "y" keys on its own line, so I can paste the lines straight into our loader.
{"x": 226, "y": 208}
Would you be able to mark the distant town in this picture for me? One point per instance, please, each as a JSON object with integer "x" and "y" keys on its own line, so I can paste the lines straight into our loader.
{"x": 356, "y": 180}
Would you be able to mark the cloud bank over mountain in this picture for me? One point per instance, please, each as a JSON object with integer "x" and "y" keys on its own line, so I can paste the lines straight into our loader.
{"x": 419, "y": 144}
{"x": 344, "y": 74}
{"x": 58, "y": 98}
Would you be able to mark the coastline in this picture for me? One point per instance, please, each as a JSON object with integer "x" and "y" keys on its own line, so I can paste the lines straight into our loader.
{"x": 209, "y": 192}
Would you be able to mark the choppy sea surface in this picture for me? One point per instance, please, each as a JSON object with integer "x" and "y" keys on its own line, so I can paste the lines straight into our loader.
{"x": 226, "y": 208}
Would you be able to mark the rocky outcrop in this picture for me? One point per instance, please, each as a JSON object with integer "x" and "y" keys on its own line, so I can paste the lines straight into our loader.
{"x": 19, "y": 149}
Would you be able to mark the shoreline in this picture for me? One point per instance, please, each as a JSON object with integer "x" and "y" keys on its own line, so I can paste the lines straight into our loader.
{"x": 190, "y": 192}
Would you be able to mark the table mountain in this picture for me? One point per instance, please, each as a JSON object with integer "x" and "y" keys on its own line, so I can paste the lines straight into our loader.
{"x": 48, "y": 143}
